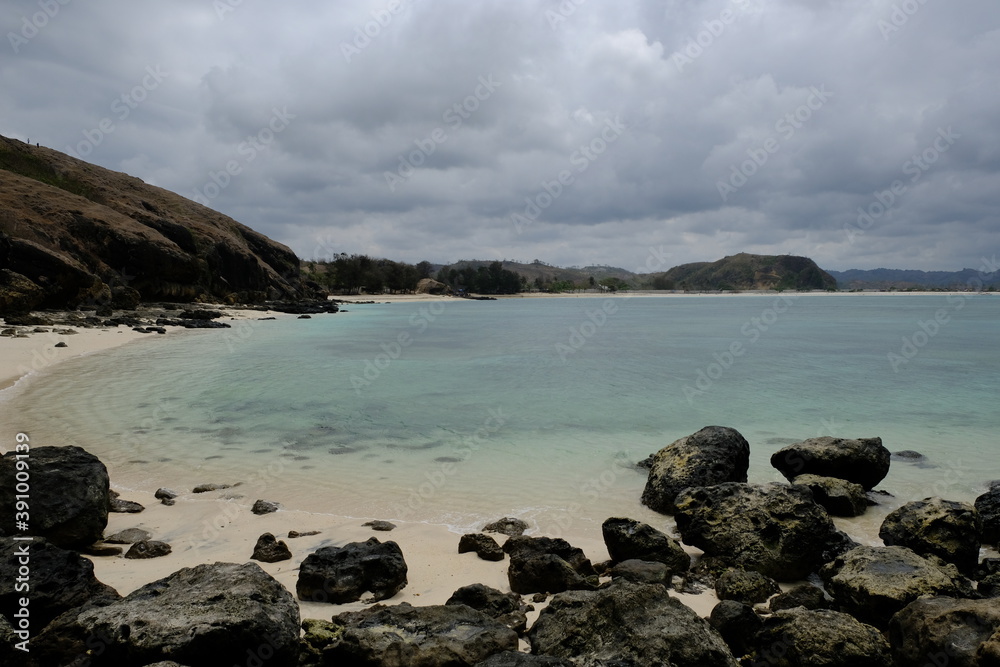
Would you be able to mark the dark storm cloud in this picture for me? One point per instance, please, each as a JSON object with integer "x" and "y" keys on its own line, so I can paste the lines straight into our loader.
{"x": 575, "y": 132}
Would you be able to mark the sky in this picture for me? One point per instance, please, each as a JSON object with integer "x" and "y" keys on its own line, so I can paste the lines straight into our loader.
{"x": 638, "y": 134}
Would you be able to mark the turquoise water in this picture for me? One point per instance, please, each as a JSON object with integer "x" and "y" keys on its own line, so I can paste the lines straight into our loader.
{"x": 460, "y": 411}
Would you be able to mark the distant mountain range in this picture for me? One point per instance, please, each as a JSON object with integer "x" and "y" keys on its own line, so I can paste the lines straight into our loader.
{"x": 902, "y": 279}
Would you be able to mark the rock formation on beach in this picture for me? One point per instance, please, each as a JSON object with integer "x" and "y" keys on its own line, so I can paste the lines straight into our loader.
{"x": 74, "y": 234}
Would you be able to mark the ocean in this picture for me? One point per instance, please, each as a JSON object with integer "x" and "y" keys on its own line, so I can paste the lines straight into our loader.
{"x": 459, "y": 412}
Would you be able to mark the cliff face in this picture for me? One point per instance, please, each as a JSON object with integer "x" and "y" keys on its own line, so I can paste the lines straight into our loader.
{"x": 756, "y": 272}
{"x": 73, "y": 234}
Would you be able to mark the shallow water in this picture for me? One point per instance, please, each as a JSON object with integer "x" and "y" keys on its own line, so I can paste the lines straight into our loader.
{"x": 461, "y": 411}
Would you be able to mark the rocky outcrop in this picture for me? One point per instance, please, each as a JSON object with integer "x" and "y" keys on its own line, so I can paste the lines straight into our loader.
{"x": 947, "y": 529}
{"x": 713, "y": 455}
{"x": 627, "y": 624}
{"x": 946, "y": 631}
{"x": 510, "y": 526}
{"x": 746, "y": 587}
{"x": 737, "y": 624}
{"x": 628, "y": 539}
{"x": 209, "y": 615}
{"x": 69, "y": 495}
{"x": 504, "y": 607}
{"x": 547, "y": 565}
{"x": 343, "y": 574}
{"x": 484, "y": 546}
{"x": 863, "y": 461}
{"x": 58, "y": 580}
{"x": 988, "y": 506}
{"x": 805, "y": 638}
{"x": 773, "y": 529}
{"x": 522, "y": 547}
{"x": 453, "y": 635}
{"x": 431, "y": 286}
{"x": 79, "y": 235}
{"x": 838, "y": 496}
{"x": 270, "y": 549}
{"x": 873, "y": 583}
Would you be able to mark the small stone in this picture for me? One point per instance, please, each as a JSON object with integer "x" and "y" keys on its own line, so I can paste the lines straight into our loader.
{"x": 148, "y": 549}
{"x": 168, "y": 501}
{"x": 101, "y": 550}
{"x": 128, "y": 536}
{"x": 264, "y": 507}
{"x": 292, "y": 534}
{"x": 162, "y": 493}
{"x": 204, "y": 488}
{"x": 61, "y": 344}
{"x": 270, "y": 550}
{"x": 509, "y": 526}
{"x": 539, "y": 597}
{"x": 125, "y": 506}
{"x": 378, "y": 524}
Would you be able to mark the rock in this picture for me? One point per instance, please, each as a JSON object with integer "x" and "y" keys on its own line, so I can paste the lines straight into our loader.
{"x": 989, "y": 586}
{"x": 988, "y": 506}
{"x": 838, "y": 496}
{"x": 264, "y": 507}
{"x": 148, "y": 549}
{"x": 943, "y": 630}
{"x": 163, "y": 493}
{"x": 547, "y": 573}
{"x": 516, "y": 659}
{"x": 804, "y": 638}
{"x": 746, "y": 587}
{"x": 774, "y": 529}
{"x": 507, "y": 526}
{"x": 69, "y": 495}
{"x": 129, "y": 536}
{"x": 401, "y": 635}
{"x": 873, "y": 583}
{"x": 522, "y": 547}
{"x": 205, "y": 488}
{"x": 627, "y": 624}
{"x": 209, "y": 615}
{"x": 58, "y": 580}
{"x": 61, "y": 344}
{"x": 713, "y": 455}
{"x": 803, "y": 595}
{"x": 270, "y": 550}
{"x": 947, "y": 529}
{"x": 987, "y": 567}
{"x": 125, "y": 506}
{"x": 628, "y": 539}
{"x": 292, "y": 534}
{"x": 737, "y": 624}
{"x": 169, "y": 502}
{"x": 101, "y": 550}
{"x": 379, "y": 525}
{"x": 504, "y": 607}
{"x": 343, "y": 574}
{"x": 8, "y": 639}
{"x": 642, "y": 572}
{"x": 863, "y": 461}
{"x": 908, "y": 455}
{"x": 483, "y": 545}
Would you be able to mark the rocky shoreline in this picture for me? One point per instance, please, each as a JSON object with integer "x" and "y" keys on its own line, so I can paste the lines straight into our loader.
{"x": 926, "y": 597}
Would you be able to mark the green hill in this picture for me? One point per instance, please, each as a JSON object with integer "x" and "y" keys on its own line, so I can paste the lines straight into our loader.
{"x": 752, "y": 272}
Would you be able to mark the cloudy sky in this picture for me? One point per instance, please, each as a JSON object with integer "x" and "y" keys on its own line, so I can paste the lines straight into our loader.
{"x": 641, "y": 134}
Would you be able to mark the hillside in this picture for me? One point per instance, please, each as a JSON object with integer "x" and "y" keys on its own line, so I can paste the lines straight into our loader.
{"x": 75, "y": 234}
{"x": 901, "y": 279}
{"x": 548, "y": 273}
{"x": 752, "y": 272}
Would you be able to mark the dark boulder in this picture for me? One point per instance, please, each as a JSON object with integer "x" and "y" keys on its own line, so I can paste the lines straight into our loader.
{"x": 803, "y": 595}
{"x": 873, "y": 583}
{"x": 713, "y": 455}
{"x": 737, "y": 624}
{"x": 988, "y": 506}
{"x": 209, "y": 615}
{"x": 343, "y": 574}
{"x": 944, "y": 631}
{"x": 627, "y": 624}
{"x": 261, "y": 507}
{"x": 483, "y": 545}
{"x": 57, "y": 580}
{"x": 510, "y": 526}
{"x": 773, "y": 529}
{"x": 628, "y": 539}
{"x": 989, "y": 586}
{"x": 522, "y": 547}
{"x": 402, "y": 635}
{"x": 120, "y": 506}
{"x": 805, "y": 638}
{"x": 863, "y": 461}
{"x": 838, "y": 496}
{"x": 270, "y": 550}
{"x": 947, "y": 529}
{"x": 746, "y": 587}
{"x": 165, "y": 494}
{"x": 642, "y": 572}
{"x": 546, "y": 573}
{"x": 504, "y": 607}
{"x": 148, "y": 549}
{"x": 69, "y": 495}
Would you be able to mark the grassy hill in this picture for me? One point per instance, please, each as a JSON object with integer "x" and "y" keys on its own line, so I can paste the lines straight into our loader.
{"x": 752, "y": 272}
